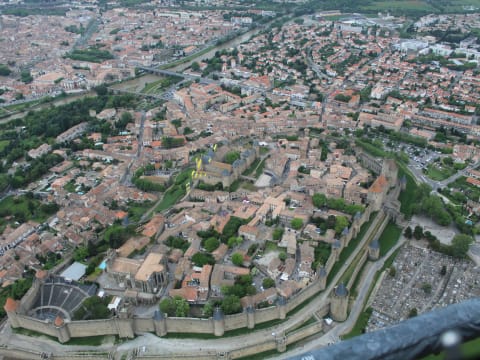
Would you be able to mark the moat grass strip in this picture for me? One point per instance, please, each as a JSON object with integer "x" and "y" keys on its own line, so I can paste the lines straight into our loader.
{"x": 83, "y": 341}
{"x": 236, "y": 332}
{"x": 389, "y": 238}
{"x": 310, "y": 321}
{"x": 360, "y": 324}
{"x": 407, "y": 196}
{"x": 348, "y": 250}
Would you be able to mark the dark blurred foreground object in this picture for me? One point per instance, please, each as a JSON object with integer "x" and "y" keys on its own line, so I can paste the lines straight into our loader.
{"x": 429, "y": 333}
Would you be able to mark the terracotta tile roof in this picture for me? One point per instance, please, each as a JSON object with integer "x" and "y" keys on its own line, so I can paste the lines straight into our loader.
{"x": 41, "y": 274}
{"x": 58, "y": 321}
{"x": 10, "y": 305}
{"x": 379, "y": 184}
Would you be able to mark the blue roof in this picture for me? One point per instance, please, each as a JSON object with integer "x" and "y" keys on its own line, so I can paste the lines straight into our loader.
{"x": 158, "y": 315}
{"x": 345, "y": 230}
{"x": 341, "y": 290}
{"x": 217, "y": 314}
{"x": 375, "y": 244}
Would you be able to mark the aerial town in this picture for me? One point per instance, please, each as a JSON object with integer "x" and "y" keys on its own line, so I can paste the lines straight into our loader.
{"x": 229, "y": 180}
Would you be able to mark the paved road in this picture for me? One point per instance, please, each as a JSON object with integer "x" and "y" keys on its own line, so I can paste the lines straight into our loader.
{"x": 334, "y": 334}
{"x": 435, "y": 185}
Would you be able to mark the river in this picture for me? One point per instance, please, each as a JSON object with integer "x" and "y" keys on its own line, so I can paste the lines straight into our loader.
{"x": 137, "y": 84}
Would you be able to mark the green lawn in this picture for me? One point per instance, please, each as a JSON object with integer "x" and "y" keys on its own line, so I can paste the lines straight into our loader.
{"x": 361, "y": 323}
{"x": 402, "y": 5}
{"x": 438, "y": 173}
{"x": 271, "y": 246}
{"x": 389, "y": 237}
{"x": 236, "y": 332}
{"x": 136, "y": 210}
{"x": 171, "y": 197}
{"x": 158, "y": 86}
{"x": 4, "y": 144}
{"x": 176, "y": 191}
{"x": 252, "y": 167}
{"x": 407, "y": 197}
{"x": 260, "y": 168}
{"x": 23, "y": 209}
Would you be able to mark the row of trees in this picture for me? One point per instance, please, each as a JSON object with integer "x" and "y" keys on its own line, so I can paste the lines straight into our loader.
{"x": 458, "y": 248}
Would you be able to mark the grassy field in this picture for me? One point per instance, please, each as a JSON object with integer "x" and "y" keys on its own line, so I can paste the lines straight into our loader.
{"x": 260, "y": 168}
{"x": 270, "y": 246}
{"x": 170, "y": 198}
{"x": 437, "y": 173}
{"x": 405, "y": 5}
{"x": 136, "y": 210}
{"x": 407, "y": 197}
{"x": 236, "y": 332}
{"x": 23, "y": 209}
{"x": 176, "y": 191}
{"x": 4, "y": 144}
{"x": 361, "y": 323}
{"x": 389, "y": 237}
{"x": 159, "y": 86}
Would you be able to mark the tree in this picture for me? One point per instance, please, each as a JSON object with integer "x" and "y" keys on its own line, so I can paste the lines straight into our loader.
{"x": 167, "y": 306}
{"x": 413, "y": 312}
{"x": 427, "y": 288}
{"x": 231, "y": 156}
{"x": 408, "y": 232}
{"x": 195, "y": 66}
{"x": 443, "y": 270}
{"x": 237, "y": 259}
{"x": 231, "y": 305}
{"x": 208, "y": 309}
{"x": 176, "y": 306}
{"x": 319, "y": 200}
{"x": 418, "y": 232}
{"x": 80, "y": 253}
{"x": 282, "y": 256}
{"x": 234, "y": 241}
{"x": 268, "y": 283}
{"x": 182, "y": 308}
{"x": 460, "y": 245}
{"x": 125, "y": 118}
{"x": 277, "y": 233}
{"x": 211, "y": 244}
{"x": 296, "y": 223}
{"x": 4, "y": 70}
{"x": 200, "y": 259}
{"x": 392, "y": 272}
{"x": 341, "y": 222}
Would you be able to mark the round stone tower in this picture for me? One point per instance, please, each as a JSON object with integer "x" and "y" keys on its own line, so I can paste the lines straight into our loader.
{"x": 63, "y": 334}
{"x": 160, "y": 323}
{"x": 322, "y": 277}
{"x": 282, "y": 307}
{"x": 336, "y": 248}
{"x": 10, "y": 308}
{"x": 374, "y": 250}
{"x": 339, "y": 303}
{"x": 250, "y": 317}
{"x": 218, "y": 322}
